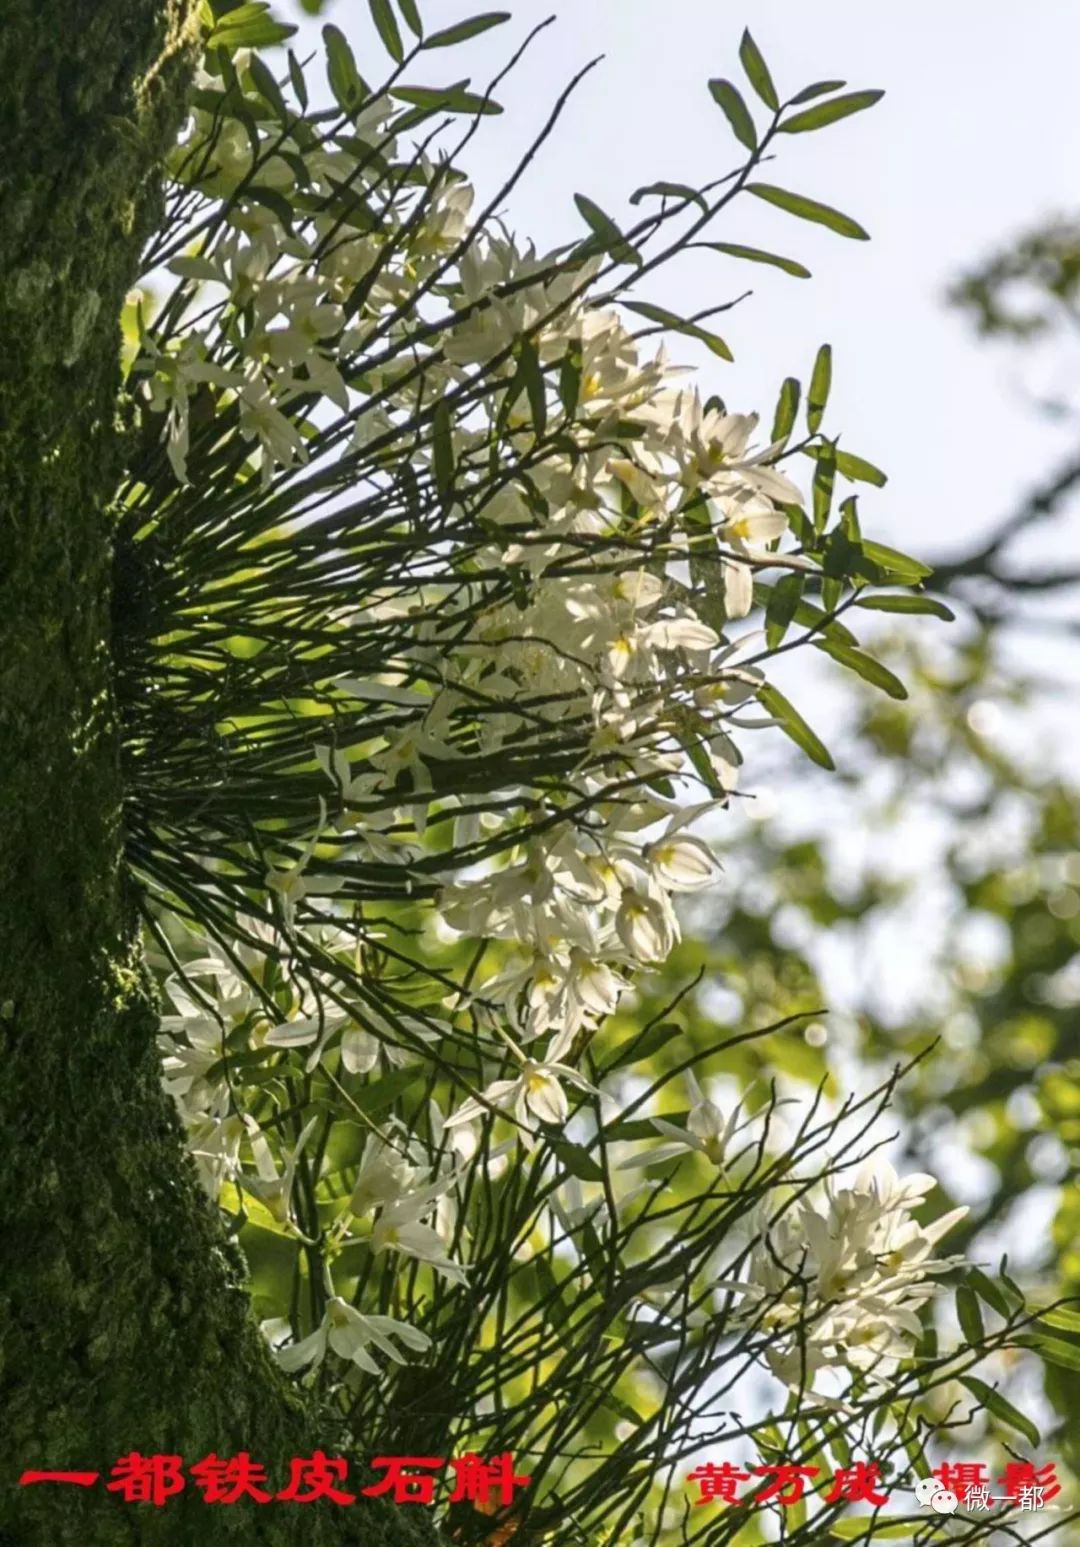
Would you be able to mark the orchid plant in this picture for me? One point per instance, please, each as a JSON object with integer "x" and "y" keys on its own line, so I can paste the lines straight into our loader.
{"x": 451, "y": 599}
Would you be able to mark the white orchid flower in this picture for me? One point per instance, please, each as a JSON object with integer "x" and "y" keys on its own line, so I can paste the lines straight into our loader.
{"x": 348, "y": 1333}
{"x": 272, "y": 1187}
{"x": 292, "y": 884}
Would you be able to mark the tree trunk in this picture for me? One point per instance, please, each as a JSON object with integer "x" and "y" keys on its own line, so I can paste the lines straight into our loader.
{"x": 124, "y": 1322}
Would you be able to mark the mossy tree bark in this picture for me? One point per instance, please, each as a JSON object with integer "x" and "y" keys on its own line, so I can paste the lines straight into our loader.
{"x": 124, "y": 1323}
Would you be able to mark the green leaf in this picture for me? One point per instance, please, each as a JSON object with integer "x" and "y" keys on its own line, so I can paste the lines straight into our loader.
{"x": 969, "y": 1316}
{"x": 983, "y": 1286}
{"x": 341, "y": 72}
{"x": 1011, "y": 1288}
{"x": 928, "y": 606}
{"x": 1061, "y": 1317}
{"x": 570, "y": 381}
{"x": 787, "y": 408}
{"x": 382, "y": 14}
{"x": 822, "y": 487}
{"x": 665, "y": 190}
{"x": 378, "y": 1096}
{"x": 466, "y": 29}
{"x": 872, "y": 1529}
{"x": 625, "y": 1129}
{"x": 849, "y": 519}
{"x": 1001, "y": 1408}
{"x": 449, "y": 99}
{"x": 299, "y": 85}
{"x": 682, "y": 325}
{"x": 533, "y": 380}
{"x": 650, "y": 1041}
{"x": 577, "y": 1161}
{"x": 818, "y": 89}
{"x": 240, "y": 1062}
{"x": 757, "y": 255}
{"x": 859, "y": 470}
{"x": 896, "y": 563}
{"x": 864, "y": 666}
{"x": 782, "y": 604}
{"x": 267, "y": 87}
{"x": 830, "y": 112}
{"x": 807, "y": 615}
{"x": 735, "y": 110}
{"x": 793, "y": 725}
{"x": 1054, "y": 1351}
{"x": 412, "y": 17}
{"x": 249, "y": 26}
{"x": 820, "y": 382}
{"x": 443, "y": 450}
{"x": 272, "y": 200}
{"x": 606, "y": 231}
{"x": 809, "y": 209}
{"x": 757, "y": 72}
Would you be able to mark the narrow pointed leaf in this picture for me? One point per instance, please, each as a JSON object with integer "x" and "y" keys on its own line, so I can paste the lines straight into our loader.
{"x": 820, "y": 383}
{"x": 859, "y": 470}
{"x": 864, "y": 666}
{"x": 409, "y": 10}
{"x": 248, "y": 26}
{"x": 735, "y": 110}
{"x": 781, "y": 608}
{"x": 382, "y": 14}
{"x": 830, "y": 112}
{"x": 660, "y": 314}
{"x": 449, "y": 99}
{"x": 818, "y": 89}
{"x": 809, "y": 209}
{"x": 666, "y": 190}
{"x": 268, "y": 87}
{"x": 341, "y": 72}
{"x": 758, "y": 255}
{"x": 605, "y": 229}
{"x": 787, "y": 408}
{"x": 928, "y": 606}
{"x": 296, "y": 76}
{"x": 1061, "y": 1317}
{"x": 443, "y": 450}
{"x": 1054, "y": 1351}
{"x": 969, "y": 1316}
{"x": 757, "y": 72}
{"x": 577, "y": 1160}
{"x": 983, "y": 1286}
{"x": 1001, "y": 1408}
{"x": 570, "y": 382}
{"x": 464, "y": 30}
{"x": 533, "y": 378}
{"x": 906, "y": 569}
{"x": 793, "y": 725}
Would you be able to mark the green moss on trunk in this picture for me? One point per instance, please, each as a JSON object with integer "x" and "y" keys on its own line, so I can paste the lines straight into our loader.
{"x": 124, "y": 1322}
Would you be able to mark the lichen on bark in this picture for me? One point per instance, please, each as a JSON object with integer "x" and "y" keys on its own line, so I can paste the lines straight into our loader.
{"x": 124, "y": 1320}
